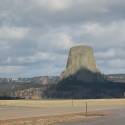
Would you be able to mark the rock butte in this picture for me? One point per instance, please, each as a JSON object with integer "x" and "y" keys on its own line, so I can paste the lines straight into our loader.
{"x": 80, "y": 57}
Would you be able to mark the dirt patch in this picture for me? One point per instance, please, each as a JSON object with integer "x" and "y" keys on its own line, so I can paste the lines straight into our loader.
{"x": 52, "y": 120}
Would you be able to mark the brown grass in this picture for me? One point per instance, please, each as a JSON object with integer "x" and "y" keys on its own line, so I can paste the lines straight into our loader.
{"x": 52, "y": 120}
{"x": 49, "y": 120}
{"x": 62, "y": 103}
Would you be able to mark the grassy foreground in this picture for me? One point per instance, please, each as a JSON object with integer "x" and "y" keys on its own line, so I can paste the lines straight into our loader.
{"x": 51, "y": 120}
{"x": 63, "y": 103}
{"x": 61, "y": 118}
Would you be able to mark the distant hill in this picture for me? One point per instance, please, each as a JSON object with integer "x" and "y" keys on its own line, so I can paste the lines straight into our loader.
{"x": 116, "y": 77}
{"x": 25, "y": 87}
{"x": 73, "y": 87}
{"x": 51, "y": 87}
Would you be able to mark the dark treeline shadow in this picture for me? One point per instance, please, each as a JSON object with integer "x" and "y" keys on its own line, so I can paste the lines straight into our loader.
{"x": 9, "y": 98}
{"x": 85, "y": 84}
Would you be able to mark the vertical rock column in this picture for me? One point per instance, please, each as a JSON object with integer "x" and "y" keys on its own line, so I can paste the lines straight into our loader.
{"x": 80, "y": 58}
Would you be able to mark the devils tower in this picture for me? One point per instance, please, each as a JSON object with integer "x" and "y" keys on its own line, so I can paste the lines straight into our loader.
{"x": 81, "y": 62}
{"x": 80, "y": 57}
{"x": 82, "y": 79}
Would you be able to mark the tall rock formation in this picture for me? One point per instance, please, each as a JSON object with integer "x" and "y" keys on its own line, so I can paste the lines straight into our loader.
{"x": 82, "y": 79}
{"x": 81, "y": 61}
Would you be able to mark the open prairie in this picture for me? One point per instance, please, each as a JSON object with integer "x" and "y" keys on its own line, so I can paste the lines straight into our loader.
{"x": 52, "y": 111}
{"x": 63, "y": 103}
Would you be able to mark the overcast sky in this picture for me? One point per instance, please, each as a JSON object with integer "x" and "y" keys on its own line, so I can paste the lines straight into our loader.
{"x": 35, "y": 35}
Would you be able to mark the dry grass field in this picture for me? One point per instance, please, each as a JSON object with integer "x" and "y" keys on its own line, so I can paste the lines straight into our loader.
{"x": 63, "y": 103}
{"x": 46, "y": 112}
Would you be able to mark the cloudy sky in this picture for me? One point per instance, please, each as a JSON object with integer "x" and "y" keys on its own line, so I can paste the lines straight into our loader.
{"x": 35, "y": 35}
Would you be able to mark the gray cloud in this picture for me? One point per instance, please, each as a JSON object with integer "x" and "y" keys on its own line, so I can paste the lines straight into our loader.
{"x": 35, "y": 35}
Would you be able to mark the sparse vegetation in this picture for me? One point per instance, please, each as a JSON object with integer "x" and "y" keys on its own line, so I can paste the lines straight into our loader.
{"x": 62, "y": 103}
{"x": 64, "y": 117}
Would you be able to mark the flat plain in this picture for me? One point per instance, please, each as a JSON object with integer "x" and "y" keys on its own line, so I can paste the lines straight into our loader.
{"x": 45, "y": 112}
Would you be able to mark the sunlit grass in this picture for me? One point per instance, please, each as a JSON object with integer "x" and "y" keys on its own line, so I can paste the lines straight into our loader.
{"x": 62, "y": 103}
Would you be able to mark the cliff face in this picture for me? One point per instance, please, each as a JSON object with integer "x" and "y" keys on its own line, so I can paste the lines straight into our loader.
{"x": 30, "y": 93}
{"x": 27, "y": 88}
